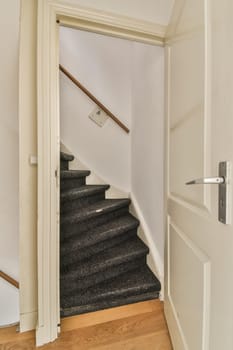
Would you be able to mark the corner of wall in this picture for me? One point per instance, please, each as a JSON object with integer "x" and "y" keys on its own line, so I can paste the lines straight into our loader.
{"x": 153, "y": 259}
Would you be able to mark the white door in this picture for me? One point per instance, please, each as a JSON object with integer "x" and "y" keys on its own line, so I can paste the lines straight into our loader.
{"x": 199, "y": 248}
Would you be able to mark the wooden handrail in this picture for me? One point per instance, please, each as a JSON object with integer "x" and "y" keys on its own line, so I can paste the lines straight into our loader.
{"x": 9, "y": 279}
{"x": 93, "y": 98}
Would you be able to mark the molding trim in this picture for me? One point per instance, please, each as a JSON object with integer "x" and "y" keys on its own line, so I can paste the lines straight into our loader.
{"x": 27, "y": 173}
{"x": 48, "y": 165}
{"x": 109, "y": 23}
{"x": 154, "y": 260}
{"x": 175, "y": 17}
{"x": 49, "y": 137}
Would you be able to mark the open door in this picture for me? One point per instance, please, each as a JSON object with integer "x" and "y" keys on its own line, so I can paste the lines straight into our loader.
{"x": 199, "y": 246}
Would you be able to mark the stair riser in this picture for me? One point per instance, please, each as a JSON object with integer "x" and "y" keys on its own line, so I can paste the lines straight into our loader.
{"x": 68, "y": 184}
{"x": 64, "y": 164}
{"x": 73, "y": 284}
{"x": 73, "y": 205}
{"x": 109, "y": 303}
{"x": 68, "y": 230}
{"x": 102, "y": 261}
{"x": 72, "y": 257}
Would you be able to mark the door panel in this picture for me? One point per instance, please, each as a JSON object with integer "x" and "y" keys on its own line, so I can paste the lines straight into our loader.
{"x": 183, "y": 144}
{"x": 187, "y": 68}
{"x": 188, "y": 267}
{"x": 199, "y": 249}
{"x": 187, "y": 105}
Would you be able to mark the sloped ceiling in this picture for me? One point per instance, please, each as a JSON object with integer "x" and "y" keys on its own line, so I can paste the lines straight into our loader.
{"x": 156, "y": 11}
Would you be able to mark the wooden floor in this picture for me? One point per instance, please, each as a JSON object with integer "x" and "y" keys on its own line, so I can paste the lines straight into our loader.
{"x": 138, "y": 326}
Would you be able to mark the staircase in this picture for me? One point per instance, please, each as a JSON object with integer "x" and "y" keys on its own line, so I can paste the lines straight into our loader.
{"x": 103, "y": 261}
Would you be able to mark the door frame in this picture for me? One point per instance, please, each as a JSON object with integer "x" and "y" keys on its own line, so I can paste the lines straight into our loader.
{"x": 51, "y": 14}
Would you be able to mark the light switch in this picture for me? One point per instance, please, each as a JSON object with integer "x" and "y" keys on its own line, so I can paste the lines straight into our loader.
{"x": 98, "y": 116}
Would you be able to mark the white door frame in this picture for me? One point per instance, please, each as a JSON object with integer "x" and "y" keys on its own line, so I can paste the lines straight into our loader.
{"x": 50, "y": 13}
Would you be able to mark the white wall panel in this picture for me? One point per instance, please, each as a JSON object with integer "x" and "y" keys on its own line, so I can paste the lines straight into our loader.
{"x": 9, "y": 145}
{"x": 189, "y": 286}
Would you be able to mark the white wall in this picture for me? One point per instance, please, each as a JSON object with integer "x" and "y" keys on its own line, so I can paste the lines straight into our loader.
{"x": 9, "y": 304}
{"x": 28, "y": 172}
{"x": 129, "y": 78}
{"x": 103, "y": 65}
{"x": 9, "y": 143}
{"x": 147, "y": 141}
{"x": 157, "y": 11}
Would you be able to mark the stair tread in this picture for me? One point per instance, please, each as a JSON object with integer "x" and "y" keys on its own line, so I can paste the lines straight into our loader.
{"x": 82, "y": 191}
{"x": 107, "y": 303}
{"x": 103, "y": 261}
{"x": 101, "y": 233}
{"x": 74, "y": 174}
{"x": 122, "y": 253}
{"x": 129, "y": 284}
{"x": 66, "y": 156}
{"x": 96, "y": 209}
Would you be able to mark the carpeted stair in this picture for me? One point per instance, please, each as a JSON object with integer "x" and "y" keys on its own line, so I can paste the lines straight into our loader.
{"x": 103, "y": 261}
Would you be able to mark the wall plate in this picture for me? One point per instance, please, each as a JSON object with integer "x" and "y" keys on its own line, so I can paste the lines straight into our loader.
{"x": 224, "y": 195}
{"x": 98, "y": 116}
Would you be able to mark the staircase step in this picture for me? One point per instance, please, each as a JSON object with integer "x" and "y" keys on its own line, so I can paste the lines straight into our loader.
{"x": 100, "y": 267}
{"x": 98, "y": 239}
{"x": 96, "y": 214}
{"x": 73, "y": 178}
{"x": 65, "y": 158}
{"x": 80, "y": 197}
{"x": 103, "y": 261}
{"x": 133, "y": 286}
{"x": 64, "y": 165}
{"x": 74, "y": 174}
{"x": 97, "y": 209}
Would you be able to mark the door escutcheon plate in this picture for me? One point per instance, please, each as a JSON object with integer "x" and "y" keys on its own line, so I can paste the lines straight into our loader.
{"x": 224, "y": 193}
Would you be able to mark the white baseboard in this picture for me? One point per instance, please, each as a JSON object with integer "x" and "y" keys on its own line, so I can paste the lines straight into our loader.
{"x": 153, "y": 259}
{"x": 28, "y": 321}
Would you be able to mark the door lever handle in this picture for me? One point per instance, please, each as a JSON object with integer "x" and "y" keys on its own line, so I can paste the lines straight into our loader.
{"x": 224, "y": 180}
{"x": 207, "y": 181}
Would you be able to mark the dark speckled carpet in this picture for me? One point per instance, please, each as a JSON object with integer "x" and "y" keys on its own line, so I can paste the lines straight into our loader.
{"x": 103, "y": 261}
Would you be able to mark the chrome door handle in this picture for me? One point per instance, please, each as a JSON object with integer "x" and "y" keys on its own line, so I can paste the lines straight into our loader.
{"x": 207, "y": 181}
{"x": 224, "y": 196}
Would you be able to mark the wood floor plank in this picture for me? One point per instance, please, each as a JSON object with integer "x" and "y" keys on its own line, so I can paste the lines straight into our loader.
{"x": 152, "y": 341}
{"x": 128, "y": 331}
{"x": 98, "y": 317}
{"x": 114, "y": 331}
{"x": 11, "y": 334}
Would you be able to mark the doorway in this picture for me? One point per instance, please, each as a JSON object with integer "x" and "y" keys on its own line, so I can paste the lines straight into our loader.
{"x": 128, "y": 78}
{"x": 49, "y": 18}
